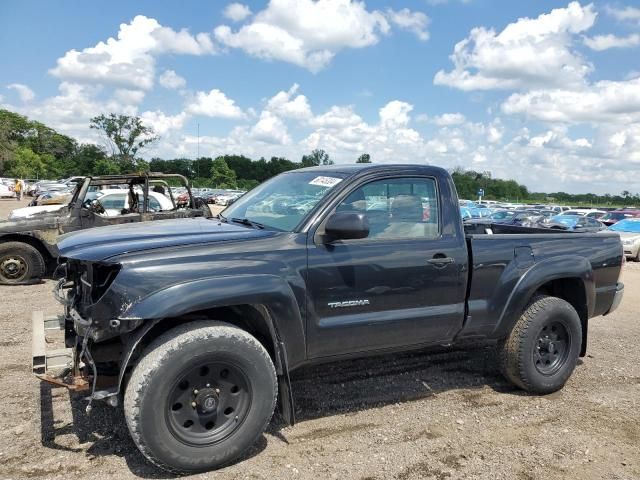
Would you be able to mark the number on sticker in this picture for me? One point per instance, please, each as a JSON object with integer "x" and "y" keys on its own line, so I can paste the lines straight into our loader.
{"x": 325, "y": 181}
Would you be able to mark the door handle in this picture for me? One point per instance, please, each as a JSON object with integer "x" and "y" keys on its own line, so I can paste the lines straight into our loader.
{"x": 441, "y": 261}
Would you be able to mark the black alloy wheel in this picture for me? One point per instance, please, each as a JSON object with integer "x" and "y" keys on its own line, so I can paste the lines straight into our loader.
{"x": 542, "y": 349}
{"x": 552, "y": 348}
{"x": 208, "y": 403}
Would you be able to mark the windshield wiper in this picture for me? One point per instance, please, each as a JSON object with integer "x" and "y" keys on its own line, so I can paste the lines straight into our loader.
{"x": 246, "y": 221}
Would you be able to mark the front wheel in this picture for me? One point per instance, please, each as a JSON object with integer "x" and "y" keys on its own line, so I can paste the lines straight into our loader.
{"x": 542, "y": 350}
{"x": 200, "y": 396}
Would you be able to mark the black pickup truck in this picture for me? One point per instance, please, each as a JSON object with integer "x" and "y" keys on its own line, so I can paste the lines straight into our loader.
{"x": 196, "y": 323}
{"x": 28, "y": 246}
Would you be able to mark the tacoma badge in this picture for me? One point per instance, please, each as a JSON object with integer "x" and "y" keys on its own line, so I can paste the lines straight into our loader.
{"x": 349, "y": 303}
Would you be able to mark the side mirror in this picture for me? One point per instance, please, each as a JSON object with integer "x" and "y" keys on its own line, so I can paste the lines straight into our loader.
{"x": 347, "y": 226}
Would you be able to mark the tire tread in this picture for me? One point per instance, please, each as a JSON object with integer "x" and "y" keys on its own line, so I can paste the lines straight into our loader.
{"x": 37, "y": 266}
{"x": 153, "y": 359}
{"x": 510, "y": 349}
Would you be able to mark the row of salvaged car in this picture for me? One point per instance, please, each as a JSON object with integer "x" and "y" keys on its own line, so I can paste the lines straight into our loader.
{"x": 624, "y": 221}
{"x": 212, "y": 196}
{"x": 55, "y": 192}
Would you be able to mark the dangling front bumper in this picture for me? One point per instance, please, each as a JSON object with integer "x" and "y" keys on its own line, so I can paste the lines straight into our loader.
{"x": 60, "y": 366}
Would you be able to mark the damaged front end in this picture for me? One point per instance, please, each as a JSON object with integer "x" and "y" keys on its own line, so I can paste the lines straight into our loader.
{"x": 95, "y": 352}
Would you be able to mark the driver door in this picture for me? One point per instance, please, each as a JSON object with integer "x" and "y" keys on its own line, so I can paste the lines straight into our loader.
{"x": 401, "y": 285}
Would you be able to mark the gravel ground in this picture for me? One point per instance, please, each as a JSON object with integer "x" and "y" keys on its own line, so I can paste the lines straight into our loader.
{"x": 443, "y": 414}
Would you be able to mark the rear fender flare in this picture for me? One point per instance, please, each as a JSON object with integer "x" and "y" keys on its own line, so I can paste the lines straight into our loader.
{"x": 556, "y": 268}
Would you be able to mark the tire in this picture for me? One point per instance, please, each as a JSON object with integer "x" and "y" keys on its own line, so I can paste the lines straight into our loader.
{"x": 187, "y": 364}
{"x": 542, "y": 350}
{"x": 20, "y": 263}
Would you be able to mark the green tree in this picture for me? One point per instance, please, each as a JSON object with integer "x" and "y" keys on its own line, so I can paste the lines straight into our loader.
{"x": 105, "y": 166}
{"x": 125, "y": 136}
{"x": 364, "y": 158}
{"x": 202, "y": 167}
{"x": 247, "y": 184}
{"x": 42, "y": 139}
{"x": 13, "y": 130}
{"x": 26, "y": 164}
{"x": 221, "y": 175}
{"x": 317, "y": 157}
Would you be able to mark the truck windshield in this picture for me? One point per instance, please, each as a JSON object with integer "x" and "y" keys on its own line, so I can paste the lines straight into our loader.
{"x": 283, "y": 202}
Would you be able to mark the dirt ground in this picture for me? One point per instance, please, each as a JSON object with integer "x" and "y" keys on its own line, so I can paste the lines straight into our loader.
{"x": 442, "y": 414}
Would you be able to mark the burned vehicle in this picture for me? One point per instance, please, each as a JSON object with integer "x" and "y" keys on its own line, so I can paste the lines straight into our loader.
{"x": 28, "y": 245}
{"x": 194, "y": 325}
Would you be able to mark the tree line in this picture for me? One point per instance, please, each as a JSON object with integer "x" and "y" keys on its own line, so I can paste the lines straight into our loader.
{"x": 31, "y": 150}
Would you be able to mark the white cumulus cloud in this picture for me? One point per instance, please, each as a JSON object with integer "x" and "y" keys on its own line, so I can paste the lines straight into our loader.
{"x": 24, "y": 92}
{"x": 604, "y": 101}
{"x": 527, "y": 53}
{"x": 162, "y": 123}
{"x": 309, "y": 33}
{"x": 289, "y": 105}
{"x": 605, "y": 42}
{"x": 449, "y": 119}
{"x": 415, "y": 22}
{"x": 625, "y": 14}
{"x": 214, "y": 104}
{"x": 236, "y": 12}
{"x": 129, "y": 59}
{"x": 170, "y": 79}
{"x": 270, "y": 129}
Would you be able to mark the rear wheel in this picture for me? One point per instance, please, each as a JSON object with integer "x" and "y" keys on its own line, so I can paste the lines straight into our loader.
{"x": 201, "y": 396}
{"x": 542, "y": 350}
{"x": 20, "y": 262}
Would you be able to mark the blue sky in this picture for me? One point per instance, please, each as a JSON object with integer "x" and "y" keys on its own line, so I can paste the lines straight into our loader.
{"x": 544, "y": 92}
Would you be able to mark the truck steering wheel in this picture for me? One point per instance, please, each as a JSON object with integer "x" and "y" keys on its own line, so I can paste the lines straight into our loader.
{"x": 96, "y": 207}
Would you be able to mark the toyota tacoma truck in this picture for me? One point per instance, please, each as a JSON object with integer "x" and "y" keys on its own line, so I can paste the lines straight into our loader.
{"x": 195, "y": 324}
{"x": 28, "y": 246}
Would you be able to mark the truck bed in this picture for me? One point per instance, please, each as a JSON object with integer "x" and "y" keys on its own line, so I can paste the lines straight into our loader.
{"x": 505, "y": 257}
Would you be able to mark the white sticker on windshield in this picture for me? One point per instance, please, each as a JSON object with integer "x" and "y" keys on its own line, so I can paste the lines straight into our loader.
{"x": 325, "y": 181}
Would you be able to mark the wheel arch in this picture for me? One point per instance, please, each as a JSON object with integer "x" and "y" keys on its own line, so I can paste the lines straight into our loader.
{"x": 569, "y": 278}
{"x": 36, "y": 243}
{"x": 573, "y": 291}
{"x": 277, "y": 325}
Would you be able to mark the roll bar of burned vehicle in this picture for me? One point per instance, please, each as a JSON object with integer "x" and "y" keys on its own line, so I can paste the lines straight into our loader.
{"x": 142, "y": 179}
{"x": 29, "y": 246}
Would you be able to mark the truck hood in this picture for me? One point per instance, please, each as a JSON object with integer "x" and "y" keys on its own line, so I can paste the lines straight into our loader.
{"x": 39, "y": 221}
{"x": 28, "y": 212}
{"x": 101, "y": 243}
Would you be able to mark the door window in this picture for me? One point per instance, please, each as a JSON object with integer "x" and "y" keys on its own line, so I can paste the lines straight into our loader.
{"x": 113, "y": 202}
{"x": 397, "y": 208}
{"x": 154, "y": 205}
{"x": 592, "y": 222}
